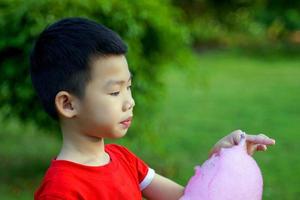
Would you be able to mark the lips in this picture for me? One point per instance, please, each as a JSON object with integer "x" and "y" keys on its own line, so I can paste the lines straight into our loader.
{"x": 127, "y": 122}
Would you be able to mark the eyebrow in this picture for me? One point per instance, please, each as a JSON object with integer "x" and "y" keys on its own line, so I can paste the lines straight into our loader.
{"x": 117, "y": 82}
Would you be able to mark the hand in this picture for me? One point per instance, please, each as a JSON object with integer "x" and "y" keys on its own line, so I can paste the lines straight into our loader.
{"x": 254, "y": 142}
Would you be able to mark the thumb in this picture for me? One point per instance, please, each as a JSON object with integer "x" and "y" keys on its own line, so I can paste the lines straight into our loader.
{"x": 216, "y": 149}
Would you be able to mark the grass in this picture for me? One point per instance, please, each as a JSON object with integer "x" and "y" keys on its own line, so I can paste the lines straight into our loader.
{"x": 228, "y": 91}
{"x": 221, "y": 92}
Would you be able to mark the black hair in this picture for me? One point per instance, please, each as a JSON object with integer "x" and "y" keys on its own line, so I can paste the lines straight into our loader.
{"x": 61, "y": 57}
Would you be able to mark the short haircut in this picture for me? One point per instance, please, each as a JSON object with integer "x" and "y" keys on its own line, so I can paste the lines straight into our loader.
{"x": 61, "y": 57}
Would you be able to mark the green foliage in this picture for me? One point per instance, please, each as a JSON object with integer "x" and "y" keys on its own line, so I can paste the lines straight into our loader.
{"x": 236, "y": 22}
{"x": 151, "y": 29}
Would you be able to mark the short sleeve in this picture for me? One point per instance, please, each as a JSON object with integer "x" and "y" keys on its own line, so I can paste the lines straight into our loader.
{"x": 144, "y": 172}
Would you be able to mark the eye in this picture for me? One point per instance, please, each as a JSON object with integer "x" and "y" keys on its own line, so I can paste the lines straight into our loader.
{"x": 115, "y": 93}
{"x": 129, "y": 87}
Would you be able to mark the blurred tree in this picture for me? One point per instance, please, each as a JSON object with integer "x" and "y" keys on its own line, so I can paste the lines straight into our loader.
{"x": 152, "y": 30}
{"x": 238, "y": 22}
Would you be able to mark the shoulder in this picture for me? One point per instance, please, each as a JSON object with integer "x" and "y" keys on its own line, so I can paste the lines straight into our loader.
{"x": 141, "y": 169}
{"x": 119, "y": 150}
{"x": 123, "y": 154}
{"x": 115, "y": 147}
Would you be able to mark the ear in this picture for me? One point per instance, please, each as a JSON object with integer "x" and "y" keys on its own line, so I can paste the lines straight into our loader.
{"x": 66, "y": 104}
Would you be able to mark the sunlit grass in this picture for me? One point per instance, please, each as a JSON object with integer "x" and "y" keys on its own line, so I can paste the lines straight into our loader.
{"x": 230, "y": 91}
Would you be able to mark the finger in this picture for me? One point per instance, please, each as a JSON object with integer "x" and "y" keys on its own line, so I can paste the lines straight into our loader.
{"x": 260, "y": 139}
{"x": 218, "y": 146}
{"x": 261, "y": 148}
{"x": 236, "y": 136}
{"x": 251, "y": 148}
{"x": 213, "y": 151}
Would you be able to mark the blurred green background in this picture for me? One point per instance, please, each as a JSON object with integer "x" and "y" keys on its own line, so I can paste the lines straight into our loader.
{"x": 201, "y": 70}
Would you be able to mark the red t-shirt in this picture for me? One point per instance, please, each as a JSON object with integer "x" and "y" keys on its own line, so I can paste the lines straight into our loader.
{"x": 124, "y": 177}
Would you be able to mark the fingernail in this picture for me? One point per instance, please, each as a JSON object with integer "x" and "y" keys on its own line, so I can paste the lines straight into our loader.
{"x": 273, "y": 141}
{"x": 243, "y": 135}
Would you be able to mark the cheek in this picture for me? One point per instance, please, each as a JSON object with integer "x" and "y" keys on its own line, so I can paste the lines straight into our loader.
{"x": 105, "y": 111}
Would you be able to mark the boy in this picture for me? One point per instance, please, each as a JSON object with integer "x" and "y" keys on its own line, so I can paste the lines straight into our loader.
{"x": 80, "y": 73}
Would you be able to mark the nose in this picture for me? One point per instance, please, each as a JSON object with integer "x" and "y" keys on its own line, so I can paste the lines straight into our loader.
{"x": 128, "y": 104}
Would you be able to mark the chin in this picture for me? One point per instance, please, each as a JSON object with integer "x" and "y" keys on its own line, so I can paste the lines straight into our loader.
{"x": 118, "y": 134}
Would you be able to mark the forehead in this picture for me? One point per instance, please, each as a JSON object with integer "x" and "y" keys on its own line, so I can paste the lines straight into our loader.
{"x": 109, "y": 67}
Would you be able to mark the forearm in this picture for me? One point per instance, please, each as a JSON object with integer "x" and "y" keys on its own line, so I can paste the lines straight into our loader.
{"x": 162, "y": 188}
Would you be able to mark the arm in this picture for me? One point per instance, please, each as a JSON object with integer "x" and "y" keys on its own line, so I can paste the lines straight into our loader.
{"x": 162, "y": 188}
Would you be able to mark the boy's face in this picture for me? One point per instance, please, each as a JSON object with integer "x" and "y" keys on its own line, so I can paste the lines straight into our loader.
{"x": 108, "y": 100}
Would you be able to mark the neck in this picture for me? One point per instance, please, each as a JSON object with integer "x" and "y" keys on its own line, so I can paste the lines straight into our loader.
{"x": 81, "y": 148}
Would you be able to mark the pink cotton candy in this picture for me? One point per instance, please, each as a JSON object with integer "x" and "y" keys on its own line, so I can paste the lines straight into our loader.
{"x": 231, "y": 175}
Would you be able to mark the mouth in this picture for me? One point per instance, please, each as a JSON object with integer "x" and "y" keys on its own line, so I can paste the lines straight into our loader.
{"x": 126, "y": 123}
